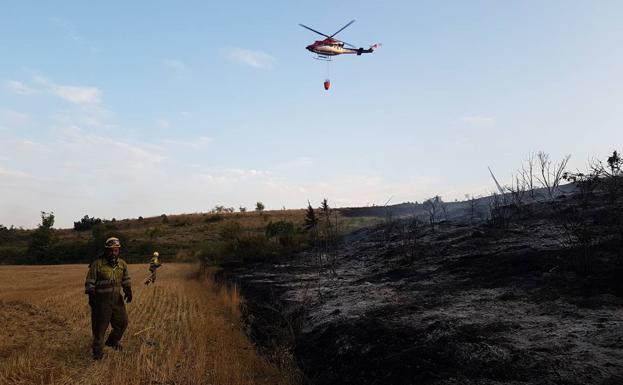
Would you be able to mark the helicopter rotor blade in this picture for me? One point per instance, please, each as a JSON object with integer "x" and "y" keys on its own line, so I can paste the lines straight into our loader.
{"x": 344, "y": 27}
{"x": 313, "y": 30}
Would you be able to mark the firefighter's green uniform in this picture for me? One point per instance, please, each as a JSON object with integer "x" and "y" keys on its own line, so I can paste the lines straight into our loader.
{"x": 154, "y": 264}
{"x": 103, "y": 284}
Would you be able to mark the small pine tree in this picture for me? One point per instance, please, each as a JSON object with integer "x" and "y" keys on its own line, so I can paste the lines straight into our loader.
{"x": 259, "y": 206}
{"x": 311, "y": 220}
{"x": 324, "y": 208}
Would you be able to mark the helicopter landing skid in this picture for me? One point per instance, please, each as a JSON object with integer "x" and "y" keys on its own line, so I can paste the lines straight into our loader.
{"x": 324, "y": 58}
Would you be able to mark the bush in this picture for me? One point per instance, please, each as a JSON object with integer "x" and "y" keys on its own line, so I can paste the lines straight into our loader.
{"x": 233, "y": 248}
{"x": 10, "y": 255}
{"x": 256, "y": 248}
{"x": 218, "y": 253}
{"x": 153, "y": 232}
{"x": 283, "y": 231}
{"x": 137, "y": 251}
{"x": 214, "y": 218}
{"x": 86, "y": 223}
{"x": 236, "y": 246}
{"x": 230, "y": 231}
{"x": 70, "y": 252}
{"x": 180, "y": 223}
{"x": 8, "y": 234}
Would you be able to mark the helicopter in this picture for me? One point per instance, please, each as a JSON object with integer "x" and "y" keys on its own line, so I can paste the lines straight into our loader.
{"x": 325, "y": 49}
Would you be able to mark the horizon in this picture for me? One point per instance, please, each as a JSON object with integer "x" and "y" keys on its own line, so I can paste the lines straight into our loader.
{"x": 123, "y": 110}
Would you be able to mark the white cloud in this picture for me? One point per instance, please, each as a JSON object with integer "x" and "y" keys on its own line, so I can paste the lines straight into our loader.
{"x": 77, "y": 94}
{"x": 20, "y": 88}
{"x": 13, "y": 174}
{"x": 459, "y": 142}
{"x": 175, "y": 64}
{"x": 163, "y": 123}
{"x": 74, "y": 94}
{"x": 201, "y": 142}
{"x": 107, "y": 177}
{"x": 479, "y": 120}
{"x": 76, "y": 174}
{"x": 255, "y": 59}
{"x": 232, "y": 179}
{"x": 364, "y": 190}
{"x": 300, "y": 162}
{"x": 10, "y": 119}
{"x": 83, "y": 116}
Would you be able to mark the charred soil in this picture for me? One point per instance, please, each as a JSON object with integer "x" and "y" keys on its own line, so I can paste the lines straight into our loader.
{"x": 458, "y": 304}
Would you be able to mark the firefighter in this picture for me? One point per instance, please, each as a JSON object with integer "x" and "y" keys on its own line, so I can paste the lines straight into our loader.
{"x": 106, "y": 276}
{"x": 154, "y": 264}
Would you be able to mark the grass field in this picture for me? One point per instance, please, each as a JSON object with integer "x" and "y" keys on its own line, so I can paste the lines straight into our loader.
{"x": 182, "y": 330}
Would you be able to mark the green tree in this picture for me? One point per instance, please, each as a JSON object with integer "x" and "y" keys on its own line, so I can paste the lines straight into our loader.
{"x": 259, "y": 207}
{"x": 42, "y": 239}
{"x": 311, "y": 220}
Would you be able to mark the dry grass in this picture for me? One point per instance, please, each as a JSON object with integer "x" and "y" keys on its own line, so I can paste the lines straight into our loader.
{"x": 188, "y": 229}
{"x": 183, "y": 330}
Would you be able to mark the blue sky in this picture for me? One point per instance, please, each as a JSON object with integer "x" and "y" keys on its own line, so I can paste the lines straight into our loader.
{"x": 120, "y": 110}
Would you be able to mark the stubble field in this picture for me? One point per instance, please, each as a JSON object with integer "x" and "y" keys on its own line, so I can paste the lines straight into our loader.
{"x": 184, "y": 329}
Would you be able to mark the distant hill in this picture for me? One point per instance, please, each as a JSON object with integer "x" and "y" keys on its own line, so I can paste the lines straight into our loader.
{"x": 180, "y": 237}
{"x": 176, "y": 237}
{"x": 456, "y": 211}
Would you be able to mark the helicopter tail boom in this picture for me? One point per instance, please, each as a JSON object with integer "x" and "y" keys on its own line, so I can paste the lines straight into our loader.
{"x": 369, "y": 50}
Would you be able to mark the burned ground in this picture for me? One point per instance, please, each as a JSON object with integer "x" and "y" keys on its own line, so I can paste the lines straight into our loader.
{"x": 465, "y": 304}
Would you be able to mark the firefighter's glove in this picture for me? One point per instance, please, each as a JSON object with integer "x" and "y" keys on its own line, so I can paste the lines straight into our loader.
{"x": 128, "y": 296}
{"x": 91, "y": 299}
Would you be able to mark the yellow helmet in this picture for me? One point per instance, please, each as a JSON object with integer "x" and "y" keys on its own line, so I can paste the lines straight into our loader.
{"x": 156, "y": 254}
{"x": 112, "y": 242}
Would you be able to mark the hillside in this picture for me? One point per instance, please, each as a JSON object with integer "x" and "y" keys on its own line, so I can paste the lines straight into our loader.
{"x": 177, "y": 237}
{"x": 534, "y": 299}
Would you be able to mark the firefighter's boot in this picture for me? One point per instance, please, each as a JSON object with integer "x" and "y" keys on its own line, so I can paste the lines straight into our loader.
{"x": 114, "y": 344}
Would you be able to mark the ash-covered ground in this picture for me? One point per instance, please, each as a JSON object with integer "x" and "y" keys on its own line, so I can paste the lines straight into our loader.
{"x": 520, "y": 303}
